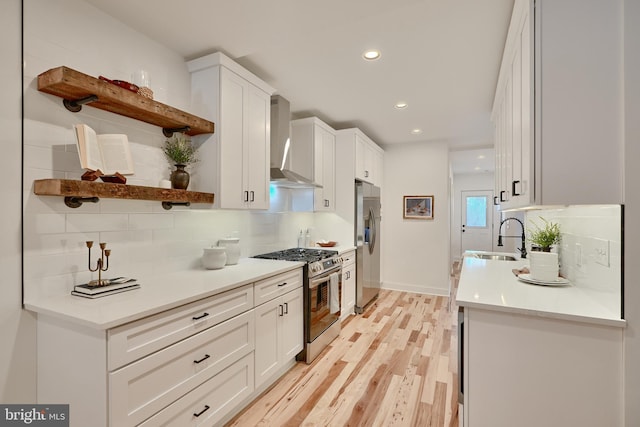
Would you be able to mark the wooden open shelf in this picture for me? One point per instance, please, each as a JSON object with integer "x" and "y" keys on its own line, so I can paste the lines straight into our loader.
{"x": 75, "y": 191}
{"x": 73, "y": 85}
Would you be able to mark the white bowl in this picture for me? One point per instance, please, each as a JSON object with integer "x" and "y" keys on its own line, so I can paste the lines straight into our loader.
{"x": 214, "y": 257}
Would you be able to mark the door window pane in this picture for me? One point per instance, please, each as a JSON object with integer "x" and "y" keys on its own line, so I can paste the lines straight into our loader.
{"x": 476, "y": 211}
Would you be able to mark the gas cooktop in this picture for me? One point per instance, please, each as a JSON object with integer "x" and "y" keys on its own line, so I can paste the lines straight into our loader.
{"x": 299, "y": 254}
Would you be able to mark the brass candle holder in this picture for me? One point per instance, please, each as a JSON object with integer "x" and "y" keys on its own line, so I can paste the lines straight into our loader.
{"x": 102, "y": 264}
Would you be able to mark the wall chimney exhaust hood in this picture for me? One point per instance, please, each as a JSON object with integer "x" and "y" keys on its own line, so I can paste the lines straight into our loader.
{"x": 281, "y": 147}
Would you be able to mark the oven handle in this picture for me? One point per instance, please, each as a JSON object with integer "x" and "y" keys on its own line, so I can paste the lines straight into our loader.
{"x": 313, "y": 283}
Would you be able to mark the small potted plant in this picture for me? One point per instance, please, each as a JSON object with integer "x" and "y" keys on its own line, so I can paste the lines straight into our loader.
{"x": 544, "y": 263}
{"x": 544, "y": 237}
{"x": 180, "y": 152}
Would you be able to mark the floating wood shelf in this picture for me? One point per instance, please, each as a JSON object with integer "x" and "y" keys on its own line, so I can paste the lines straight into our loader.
{"x": 77, "y": 88}
{"x": 77, "y": 192}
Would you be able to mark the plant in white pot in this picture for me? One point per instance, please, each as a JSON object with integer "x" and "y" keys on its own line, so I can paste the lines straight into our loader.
{"x": 544, "y": 263}
{"x": 180, "y": 152}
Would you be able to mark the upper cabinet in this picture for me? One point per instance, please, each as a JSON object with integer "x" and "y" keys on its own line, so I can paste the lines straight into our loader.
{"x": 235, "y": 162}
{"x": 368, "y": 155}
{"x": 558, "y": 104}
{"x": 312, "y": 135}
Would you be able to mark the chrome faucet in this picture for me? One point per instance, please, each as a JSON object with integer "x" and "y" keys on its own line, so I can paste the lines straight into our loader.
{"x": 523, "y": 249}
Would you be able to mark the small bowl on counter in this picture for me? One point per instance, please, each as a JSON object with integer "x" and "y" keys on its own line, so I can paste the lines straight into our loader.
{"x": 325, "y": 244}
{"x": 214, "y": 258}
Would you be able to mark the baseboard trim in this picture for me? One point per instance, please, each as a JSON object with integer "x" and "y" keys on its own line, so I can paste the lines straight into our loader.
{"x": 416, "y": 289}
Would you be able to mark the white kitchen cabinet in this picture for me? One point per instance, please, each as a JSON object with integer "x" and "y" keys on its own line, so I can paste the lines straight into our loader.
{"x": 235, "y": 160}
{"x": 348, "y": 302}
{"x": 279, "y": 332}
{"x": 558, "y": 136}
{"x": 312, "y": 135}
{"x": 192, "y": 364}
{"x": 369, "y": 156}
{"x": 530, "y": 371}
{"x": 142, "y": 388}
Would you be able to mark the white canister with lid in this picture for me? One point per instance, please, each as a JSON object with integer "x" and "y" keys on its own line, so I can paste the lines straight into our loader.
{"x": 232, "y": 245}
{"x": 214, "y": 257}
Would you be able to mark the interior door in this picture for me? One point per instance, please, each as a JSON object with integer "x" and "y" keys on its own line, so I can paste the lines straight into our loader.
{"x": 477, "y": 221}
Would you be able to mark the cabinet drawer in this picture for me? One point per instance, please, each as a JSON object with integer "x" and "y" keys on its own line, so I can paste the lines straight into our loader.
{"x": 348, "y": 258}
{"x": 210, "y": 402}
{"x": 146, "y": 386}
{"x": 273, "y": 287}
{"x": 137, "y": 339}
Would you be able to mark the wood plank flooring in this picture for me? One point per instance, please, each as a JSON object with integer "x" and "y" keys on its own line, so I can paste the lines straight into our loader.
{"x": 394, "y": 365}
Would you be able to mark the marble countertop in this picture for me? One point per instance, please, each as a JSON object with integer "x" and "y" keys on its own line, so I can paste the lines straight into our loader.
{"x": 157, "y": 294}
{"x": 491, "y": 285}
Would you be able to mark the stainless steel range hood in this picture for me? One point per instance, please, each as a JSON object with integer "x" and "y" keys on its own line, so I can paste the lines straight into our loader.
{"x": 281, "y": 148}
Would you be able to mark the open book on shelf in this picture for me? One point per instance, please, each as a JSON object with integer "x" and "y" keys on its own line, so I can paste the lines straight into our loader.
{"x": 109, "y": 153}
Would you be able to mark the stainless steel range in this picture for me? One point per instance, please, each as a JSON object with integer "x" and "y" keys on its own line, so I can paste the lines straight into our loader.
{"x": 322, "y": 295}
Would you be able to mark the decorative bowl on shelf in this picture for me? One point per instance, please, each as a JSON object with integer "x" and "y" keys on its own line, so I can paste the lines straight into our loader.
{"x": 327, "y": 244}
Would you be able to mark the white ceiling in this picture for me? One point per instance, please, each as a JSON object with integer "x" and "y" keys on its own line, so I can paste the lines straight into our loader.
{"x": 442, "y": 57}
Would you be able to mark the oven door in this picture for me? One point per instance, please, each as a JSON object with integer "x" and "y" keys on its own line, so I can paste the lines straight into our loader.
{"x": 323, "y": 298}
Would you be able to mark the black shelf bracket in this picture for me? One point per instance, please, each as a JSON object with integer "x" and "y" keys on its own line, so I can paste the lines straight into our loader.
{"x": 169, "y": 205}
{"x": 76, "y": 202}
{"x": 75, "y": 106}
{"x": 168, "y": 132}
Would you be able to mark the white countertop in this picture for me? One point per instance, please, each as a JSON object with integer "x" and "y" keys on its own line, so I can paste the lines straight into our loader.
{"x": 158, "y": 294}
{"x": 491, "y": 285}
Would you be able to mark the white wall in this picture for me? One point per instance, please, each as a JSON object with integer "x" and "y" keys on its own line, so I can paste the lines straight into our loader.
{"x": 470, "y": 182}
{"x": 416, "y": 252}
{"x": 632, "y": 209}
{"x": 17, "y": 327}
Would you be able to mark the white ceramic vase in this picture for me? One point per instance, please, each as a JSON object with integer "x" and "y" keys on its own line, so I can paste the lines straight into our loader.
{"x": 543, "y": 266}
{"x": 214, "y": 257}
{"x": 232, "y": 245}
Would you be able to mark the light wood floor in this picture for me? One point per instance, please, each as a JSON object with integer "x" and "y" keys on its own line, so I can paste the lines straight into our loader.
{"x": 394, "y": 365}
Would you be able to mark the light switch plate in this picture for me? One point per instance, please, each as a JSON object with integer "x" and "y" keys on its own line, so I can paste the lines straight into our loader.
{"x": 601, "y": 251}
{"x": 578, "y": 255}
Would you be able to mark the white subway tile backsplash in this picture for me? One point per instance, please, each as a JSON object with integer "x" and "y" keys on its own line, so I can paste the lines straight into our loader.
{"x": 585, "y": 230}
{"x": 84, "y": 222}
{"x": 150, "y": 221}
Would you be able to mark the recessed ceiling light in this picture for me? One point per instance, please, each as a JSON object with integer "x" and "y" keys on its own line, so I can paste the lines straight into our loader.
{"x": 416, "y": 131}
{"x": 371, "y": 55}
{"x": 481, "y": 156}
{"x": 401, "y": 105}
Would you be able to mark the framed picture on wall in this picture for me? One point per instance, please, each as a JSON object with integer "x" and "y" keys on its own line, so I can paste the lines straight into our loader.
{"x": 417, "y": 207}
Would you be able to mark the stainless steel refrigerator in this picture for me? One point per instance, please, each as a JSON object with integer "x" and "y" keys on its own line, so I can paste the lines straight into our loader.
{"x": 367, "y": 241}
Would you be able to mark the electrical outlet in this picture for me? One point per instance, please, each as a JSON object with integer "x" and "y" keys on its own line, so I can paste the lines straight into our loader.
{"x": 578, "y": 255}
{"x": 601, "y": 251}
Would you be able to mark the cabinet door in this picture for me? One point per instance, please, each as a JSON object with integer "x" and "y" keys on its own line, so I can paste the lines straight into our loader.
{"x": 361, "y": 147}
{"x": 348, "y": 289}
{"x": 233, "y": 95}
{"x": 267, "y": 349}
{"x": 325, "y": 143}
{"x": 292, "y": 325}
{"x": 257, "y": 152}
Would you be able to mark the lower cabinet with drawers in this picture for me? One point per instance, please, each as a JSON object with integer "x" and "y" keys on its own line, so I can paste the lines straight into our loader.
{"x": 195, "y": 364}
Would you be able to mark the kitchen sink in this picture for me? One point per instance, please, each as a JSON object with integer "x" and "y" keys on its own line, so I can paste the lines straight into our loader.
{"x": 492, "y": 256}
